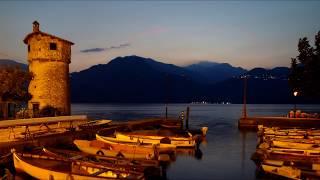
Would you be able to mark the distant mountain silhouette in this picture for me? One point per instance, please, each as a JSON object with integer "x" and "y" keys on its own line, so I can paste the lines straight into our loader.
{"x": 9, "y": 62}
{"x": 137, "y": 79}
{"x": 258, "y": 91}
{"x": 263, "y": 86}
{"x": 133, "y": 79}
{"x": 212, "y": 72}
{"x": 275, "y": 73}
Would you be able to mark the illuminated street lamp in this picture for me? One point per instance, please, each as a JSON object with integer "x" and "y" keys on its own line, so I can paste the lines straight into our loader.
{"x": 295, "y": 94}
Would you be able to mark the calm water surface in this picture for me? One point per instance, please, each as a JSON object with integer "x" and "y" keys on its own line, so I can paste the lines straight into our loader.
{"x": 226, "y": 155}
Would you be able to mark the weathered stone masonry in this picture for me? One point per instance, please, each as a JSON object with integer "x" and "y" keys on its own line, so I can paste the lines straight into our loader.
{"x": 49, "y": 58}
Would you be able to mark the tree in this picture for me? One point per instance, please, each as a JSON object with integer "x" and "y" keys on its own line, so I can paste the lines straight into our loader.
{"x": 317, "y": 44}
{"x": 295, "y": 74}
{"x": 14, "y": 86}
{"x": 305, "y": 74}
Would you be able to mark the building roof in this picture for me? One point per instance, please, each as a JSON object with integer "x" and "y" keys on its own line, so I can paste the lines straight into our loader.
{"x": 45, "y": 34}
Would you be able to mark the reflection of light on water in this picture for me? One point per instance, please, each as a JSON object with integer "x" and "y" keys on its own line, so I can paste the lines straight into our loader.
{"x": 190, "y": 152}
{"x": 185, "y": 152}
{"x": 226, "y": 156}
{"x": 243, "y": 150}
{"x": 204, "y": 142}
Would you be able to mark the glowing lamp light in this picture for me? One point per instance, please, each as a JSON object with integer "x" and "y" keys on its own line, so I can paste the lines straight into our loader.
{"x": 295, "y": 93}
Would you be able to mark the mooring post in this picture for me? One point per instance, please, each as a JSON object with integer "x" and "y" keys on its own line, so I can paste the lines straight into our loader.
{"x": 244, "y": 111}
{"x": 166, "y": 111}
{"x": 181, "y": 118}
{"x": 187, "y": 118}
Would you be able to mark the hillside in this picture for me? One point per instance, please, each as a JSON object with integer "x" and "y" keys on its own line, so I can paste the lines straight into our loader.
{"x": 9, "y": 62}
{"x": 137, "y": 79}
{"x": 212, "y": 72}
{"x": 134, "y": 79}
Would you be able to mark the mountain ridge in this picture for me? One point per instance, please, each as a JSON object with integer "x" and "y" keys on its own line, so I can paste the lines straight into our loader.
{"x": 10, "y": 62}
{"x": 134, "y": 79}
{"x": 138, "y": 79}
{"x": 214, "y": 72}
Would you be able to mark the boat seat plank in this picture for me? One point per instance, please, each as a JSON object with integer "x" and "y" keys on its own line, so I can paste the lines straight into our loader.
{"x": 99, "y": 172}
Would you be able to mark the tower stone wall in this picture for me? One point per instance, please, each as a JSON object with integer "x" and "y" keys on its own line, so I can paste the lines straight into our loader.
{"x": 39, "y": 46}
{"x": 49, "y": 58}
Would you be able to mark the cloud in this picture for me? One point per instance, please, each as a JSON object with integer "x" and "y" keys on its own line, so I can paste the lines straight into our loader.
{"x": 94, "y": 50}
{"x": 120, "y": 46}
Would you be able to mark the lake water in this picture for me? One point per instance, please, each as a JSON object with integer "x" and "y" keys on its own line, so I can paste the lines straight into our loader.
{"x": 227, "y": 152}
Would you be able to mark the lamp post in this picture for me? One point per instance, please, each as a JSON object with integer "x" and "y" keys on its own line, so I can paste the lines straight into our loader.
{"x": 244, "y": 110}
{"x": 295, "y": 94}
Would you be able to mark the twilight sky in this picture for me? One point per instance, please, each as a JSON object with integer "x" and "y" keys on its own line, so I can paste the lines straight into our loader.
{"x": 243, "y": 33}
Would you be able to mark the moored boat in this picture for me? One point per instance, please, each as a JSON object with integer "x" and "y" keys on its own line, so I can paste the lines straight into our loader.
{"x": 128, "y": 147}
{"x": 295, "y": 152}
{"x": 282, "y": 171}
{"x": 79, "y": 155}
{"x": 94, "y": 124}
{"x": 285, "y": 137}
{"x": 295, "y": 145}
{"x": 161, "y": 147}
{"x": 47, "y": 167}
{"x": 150, "y": 168}
{"x": 261, "y": 155}
{"x": 292, "y": 170}
{"x": 306, "y": 141}
{"x": 96, "y": 147}
{"x": 290, "y": 153}
{"x": 312, "y": 133}
{"x": 155, "y": 139}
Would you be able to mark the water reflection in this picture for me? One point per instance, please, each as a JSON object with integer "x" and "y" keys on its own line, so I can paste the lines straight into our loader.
{"x": 195, "y": 153}
{"x": 225, "y": 154}
{"x": 243, "y": 150}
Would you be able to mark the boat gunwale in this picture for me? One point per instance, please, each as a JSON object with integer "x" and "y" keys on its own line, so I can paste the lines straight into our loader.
{"x": 23, "y": 159}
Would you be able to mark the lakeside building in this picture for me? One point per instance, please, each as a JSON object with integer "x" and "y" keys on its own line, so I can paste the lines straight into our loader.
{"x": 49, "y": 57}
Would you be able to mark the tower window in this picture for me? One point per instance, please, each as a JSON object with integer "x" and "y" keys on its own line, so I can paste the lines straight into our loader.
{"x": 28, "y": 48}
{"x": 53, "y": 46}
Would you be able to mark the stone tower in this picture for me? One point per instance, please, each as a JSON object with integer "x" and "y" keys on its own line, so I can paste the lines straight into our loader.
{"x": 49, "y": 58}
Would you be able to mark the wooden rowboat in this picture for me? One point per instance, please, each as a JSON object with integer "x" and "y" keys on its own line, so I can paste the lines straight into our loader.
{"x": 282, "y": 171}
{"x": 150, "y": 168}
{"x": 155, "y": 139}
{"x": 96, "y": 147}
{"x": 160, "y": 146}
{"x": 261, "y": 155}
{"x": 295, "y": 152}
{"x": 79, "y": 155}
{"x": 94, "y": 124}
{"x": 46, "y": 167}
{"x": 290, "y": 132}
{"x": 295, "y": 145}
{"x": 305, "y": 166}
{"x": 307, "y": 141}
{"x": 127, "y": 147}
{"x": 284, "y": 137}
{"x": 288, "y": 169}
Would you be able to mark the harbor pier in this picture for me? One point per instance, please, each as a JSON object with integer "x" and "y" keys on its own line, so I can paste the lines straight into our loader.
{"x": 251, "y": 123}
{"x": 57, "y": 131}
